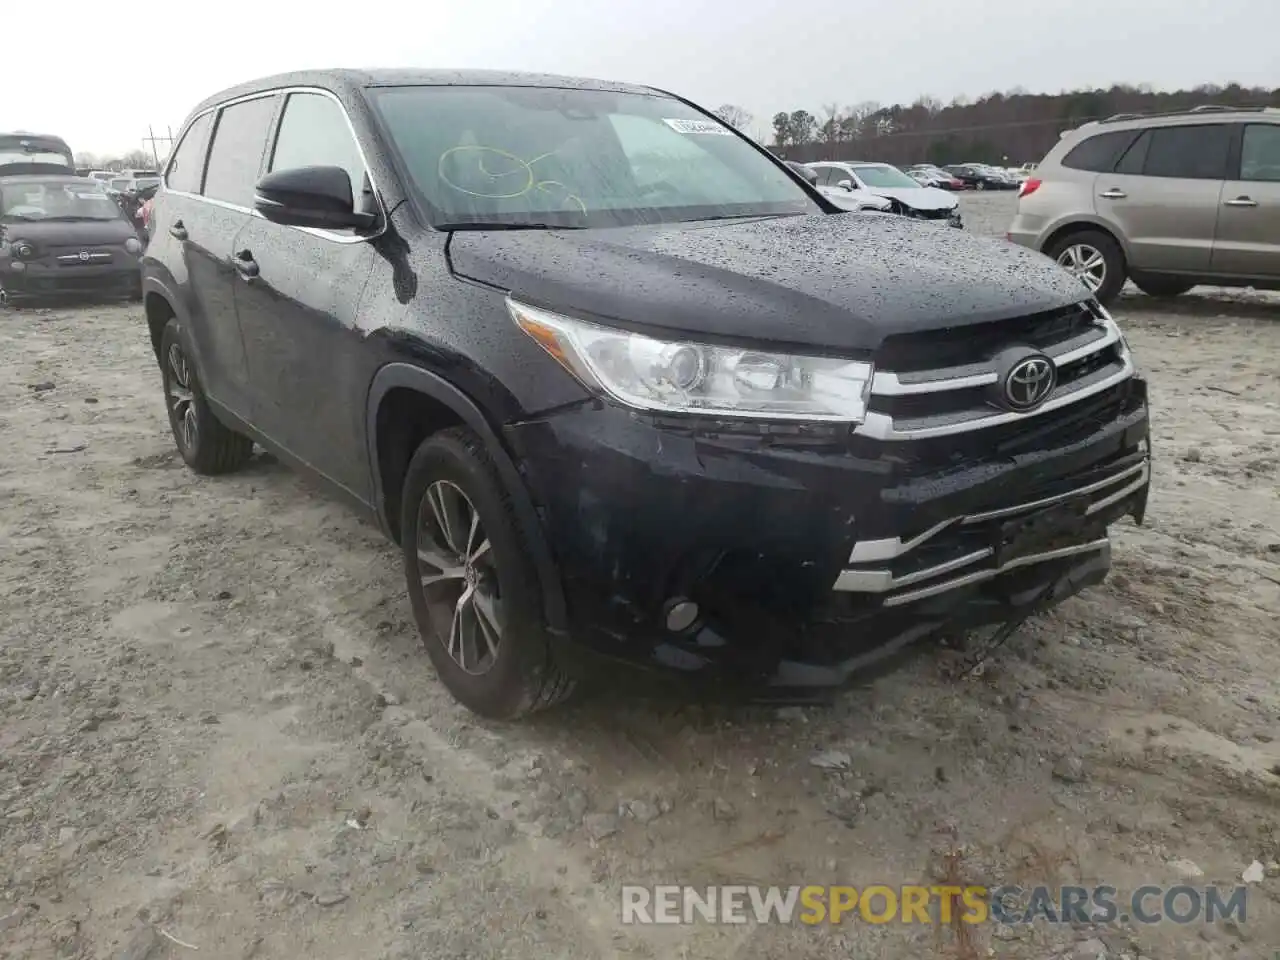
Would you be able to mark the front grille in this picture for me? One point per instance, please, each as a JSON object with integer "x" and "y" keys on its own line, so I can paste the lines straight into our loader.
{"x": 946, "y": 382}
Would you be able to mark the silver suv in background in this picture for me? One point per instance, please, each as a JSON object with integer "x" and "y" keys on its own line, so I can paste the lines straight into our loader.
{"x": 1167, "y": 200}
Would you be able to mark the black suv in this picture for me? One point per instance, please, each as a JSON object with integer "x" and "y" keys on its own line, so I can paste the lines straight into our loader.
{"x": 624, "y": 388}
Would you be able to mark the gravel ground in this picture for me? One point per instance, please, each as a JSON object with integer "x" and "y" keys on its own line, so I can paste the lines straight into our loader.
{"x": 220, "y": 738}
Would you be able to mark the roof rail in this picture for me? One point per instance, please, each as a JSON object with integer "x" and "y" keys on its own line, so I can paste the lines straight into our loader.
{"x": 1191, "y": 111}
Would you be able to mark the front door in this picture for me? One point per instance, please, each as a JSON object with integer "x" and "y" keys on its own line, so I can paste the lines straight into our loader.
{"x": 1163, "y": 196}
{"x": 298, "y": 300}
{"x": 1248, "y": 239}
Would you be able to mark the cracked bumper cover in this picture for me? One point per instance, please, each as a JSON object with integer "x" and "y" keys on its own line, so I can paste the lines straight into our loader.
{"x": 813, "y": 559}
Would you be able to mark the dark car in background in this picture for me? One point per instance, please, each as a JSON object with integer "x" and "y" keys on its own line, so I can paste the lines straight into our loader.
{"x": 62, "y": 235}
{"x": 623, "y": 389}
{"x": 979, "y": 177}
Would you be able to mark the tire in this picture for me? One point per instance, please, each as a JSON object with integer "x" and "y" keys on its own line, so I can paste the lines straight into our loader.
{"x": 1155, "y": 285}
{"x": 506, "y": 670}
{"x": 980, "y": 185}
{"x": 1075, "y": 251}
{"x": 206, "y": 444}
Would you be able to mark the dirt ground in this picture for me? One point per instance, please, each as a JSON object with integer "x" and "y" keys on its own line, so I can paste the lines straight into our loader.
{"x": 219, "y": 737}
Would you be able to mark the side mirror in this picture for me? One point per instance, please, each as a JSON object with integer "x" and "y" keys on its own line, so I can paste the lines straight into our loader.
{"x": 846, "y": 185}
{"x": 310, "y": 197}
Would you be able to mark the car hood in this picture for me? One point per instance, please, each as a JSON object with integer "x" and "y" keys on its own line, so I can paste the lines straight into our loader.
{"x": 69, "y": 232}
{"x": 827, "y": 282}
{"x": 918, "y": 198}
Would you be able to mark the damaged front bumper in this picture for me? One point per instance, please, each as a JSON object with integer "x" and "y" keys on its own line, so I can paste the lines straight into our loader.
{"x": 812, "y": 555}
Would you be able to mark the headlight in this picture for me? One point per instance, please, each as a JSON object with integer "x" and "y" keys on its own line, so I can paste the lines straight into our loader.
{"x": 676, "y": 376}
{"x": 133, "y": 246}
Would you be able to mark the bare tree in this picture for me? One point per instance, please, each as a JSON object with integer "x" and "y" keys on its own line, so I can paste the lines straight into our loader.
{"x": 733, "y": 115}
{"x": 831, "y": 127}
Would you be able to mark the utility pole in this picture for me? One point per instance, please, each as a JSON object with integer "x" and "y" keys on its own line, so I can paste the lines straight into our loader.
{"x": 152, "y": 139}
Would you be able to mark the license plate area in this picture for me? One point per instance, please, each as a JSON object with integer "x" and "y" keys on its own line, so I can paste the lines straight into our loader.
{"x": 1062, "y": 524}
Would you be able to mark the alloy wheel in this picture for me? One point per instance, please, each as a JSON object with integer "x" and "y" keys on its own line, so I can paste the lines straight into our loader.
{"x": 181, "y": 399}
{"x": 1086, "y": 263}
{"x": 459, "y": 579}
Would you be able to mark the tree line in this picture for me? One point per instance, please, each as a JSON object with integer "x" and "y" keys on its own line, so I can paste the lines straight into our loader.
{"x": 133, "y": 160}
{"x": 1001, "y": 128}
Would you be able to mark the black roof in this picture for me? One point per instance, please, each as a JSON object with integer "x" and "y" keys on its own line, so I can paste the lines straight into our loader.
{"x": 342, "y": 78}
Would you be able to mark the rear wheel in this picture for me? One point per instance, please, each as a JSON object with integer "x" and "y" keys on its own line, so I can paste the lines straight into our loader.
{"x": 1159, "y": 286}
{"x": 207, "y": 445}
{"x": 472, "y": 583}
{"x": 1094, "y": 259}
{"x": 980, "y": 185}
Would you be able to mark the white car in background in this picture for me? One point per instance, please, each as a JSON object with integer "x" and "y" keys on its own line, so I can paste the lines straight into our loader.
{"x": 845, "y": 200}
{"x": 845, "y": 179}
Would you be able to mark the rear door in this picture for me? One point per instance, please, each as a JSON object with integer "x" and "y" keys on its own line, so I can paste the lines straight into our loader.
{"x": 1163, "y": 196}
{"x": 205, "y": 223}
{"x": 1248, "y": 238}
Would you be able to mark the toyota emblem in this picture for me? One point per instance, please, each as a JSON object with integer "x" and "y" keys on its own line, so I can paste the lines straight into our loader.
{"x": 1029, "y": 383}
{"x": 84, "y": 255}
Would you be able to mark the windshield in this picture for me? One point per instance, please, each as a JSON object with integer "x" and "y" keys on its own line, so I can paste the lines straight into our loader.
{"x": 879, "y": 176}
{"x": 544, "y": 156}
{"x": 49, "y": 200}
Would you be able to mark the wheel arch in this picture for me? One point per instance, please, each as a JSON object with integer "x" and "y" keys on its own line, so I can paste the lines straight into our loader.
{"x": 440, "y": 404}
{"x": 1079, "y": 225}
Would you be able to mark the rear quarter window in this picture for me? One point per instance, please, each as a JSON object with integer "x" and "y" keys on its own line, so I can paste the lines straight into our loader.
{"x": 1099, "y": 153}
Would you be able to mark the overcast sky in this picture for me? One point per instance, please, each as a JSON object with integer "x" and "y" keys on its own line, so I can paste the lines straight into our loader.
{"x": 99, "y": 88}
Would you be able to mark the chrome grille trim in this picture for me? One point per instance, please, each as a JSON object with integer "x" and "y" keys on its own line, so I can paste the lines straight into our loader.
{"x": 881, "y": 426}
{"x": 978, "y": 576}
{"x": 1104, "y": 335}
{"x": 870, "y": 551}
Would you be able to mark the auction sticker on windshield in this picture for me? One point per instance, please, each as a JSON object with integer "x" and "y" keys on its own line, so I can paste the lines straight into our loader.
{"x": 696, "y": 126}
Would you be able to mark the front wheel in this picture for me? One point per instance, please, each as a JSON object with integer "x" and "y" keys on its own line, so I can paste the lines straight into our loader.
{"x": 472, "y": 583}
{"x": 980, "y": 185}
{"x": 1094, "y": 259}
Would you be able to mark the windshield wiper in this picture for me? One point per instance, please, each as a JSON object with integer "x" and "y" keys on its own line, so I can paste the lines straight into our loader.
{"x": 501, "y": 225}
{"x": 67, "y": 218}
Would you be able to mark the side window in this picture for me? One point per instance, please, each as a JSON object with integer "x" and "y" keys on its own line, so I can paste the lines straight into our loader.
{"x": 1136, "y": 156}
{"x": 314, "y": 133}
{"x": 186, "y": 169}
{"x": 1260, "y": 153}
{"x": 824, "y": 175}
{"x": 239, "y": 140}
{"x": 1099, "y": 153}
{"x": 1191, "y": 153}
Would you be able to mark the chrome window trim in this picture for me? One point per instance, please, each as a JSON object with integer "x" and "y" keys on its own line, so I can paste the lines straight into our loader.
{"x": 871, "y": 551}
{"x": 285, "y": 92}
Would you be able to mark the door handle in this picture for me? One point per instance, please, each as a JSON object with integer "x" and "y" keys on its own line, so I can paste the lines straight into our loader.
{"x": 245, "y": 263}
{"x": 1114, "y": 194}
{"x": 1240, "y": 202}
{"x": 178, "y": 230}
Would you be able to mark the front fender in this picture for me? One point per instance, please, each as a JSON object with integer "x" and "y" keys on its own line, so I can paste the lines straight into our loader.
{"x": 396, "y": 374}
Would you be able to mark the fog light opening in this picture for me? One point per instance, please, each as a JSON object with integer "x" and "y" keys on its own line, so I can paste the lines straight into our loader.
{"x": 681, "y": 614}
